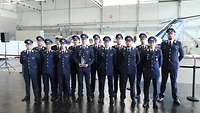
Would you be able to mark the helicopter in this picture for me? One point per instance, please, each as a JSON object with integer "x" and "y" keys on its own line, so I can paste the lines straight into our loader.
{"x": 177, "y": 24}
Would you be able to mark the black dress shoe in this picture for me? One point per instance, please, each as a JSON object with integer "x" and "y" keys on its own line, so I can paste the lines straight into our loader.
{"x": 45, "y": 98}
{"x": 89, "y": 99}
{"x": 92, "y": 95}
{"x": 73, "y": 98}
{"x": 37, "y": 100}
{"x": 177, "y": 102}
{"x": 39, "y": 96}
{"x": 115, "y": 97}
{"x": 146, "y": 105}
{"x": 73, "y": 95}
{"x": 155, "y": 106}
{"x": 133, "y": 102}
{"x": 53, "y": 98}
{"x": 59, "y": 99}
{"x": 67, "y": 100}
{"x": 79, "y": 99}
{"x": 111, "y": 100}
{"x": 122, "y": 101}
{"x": 26, "y": 98}
{"x": 101, "y": 101}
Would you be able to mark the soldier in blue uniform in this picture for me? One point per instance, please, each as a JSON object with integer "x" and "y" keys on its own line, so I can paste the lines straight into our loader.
{"x": 29, "y": 59}
{"x": 74, "y": 70}
{"x": 48, "y": 70}
{"x": 64, "y": 58}
{"x": 130, "y": 58}
{"x": 57, "y": 44}
{"x": 117, "y": 71}
{"x": 56, "y": 47}
{"x": 84, "y": 57}
{"x": 40, "y": 48}
{"x": 95, "y": 65}
{"x": 141, "y": 48}
{"x": 91, "y": 41}
{"x": 107, "y": 60}
{"x": 152, "y": 63}
{"x": 172, "y": 55}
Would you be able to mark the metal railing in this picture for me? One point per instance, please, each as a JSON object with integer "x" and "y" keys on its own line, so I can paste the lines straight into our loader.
{"x": 194, "y": 67}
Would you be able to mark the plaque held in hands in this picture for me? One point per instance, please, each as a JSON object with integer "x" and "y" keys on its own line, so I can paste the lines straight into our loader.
{"x": 82, "y": 60}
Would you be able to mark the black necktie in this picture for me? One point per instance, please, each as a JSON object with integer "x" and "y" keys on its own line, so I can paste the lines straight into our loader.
{"x": 106, "y": 50}
{"x": 169, "y": 44}
{"x": 28, "y": 52}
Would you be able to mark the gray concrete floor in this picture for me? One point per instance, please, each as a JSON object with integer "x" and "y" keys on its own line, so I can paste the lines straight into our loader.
{"x": 12, "y": 91}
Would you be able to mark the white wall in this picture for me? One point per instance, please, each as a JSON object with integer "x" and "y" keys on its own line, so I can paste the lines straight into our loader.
{"x": 22, "y": 35}
{"x": 85, "y": 16}
{"x": 8, "y": 18}
{"x": 83, "y": 11}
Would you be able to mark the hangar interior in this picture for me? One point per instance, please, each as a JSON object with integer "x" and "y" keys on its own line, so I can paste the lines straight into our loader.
{"x": 22, "y": 19}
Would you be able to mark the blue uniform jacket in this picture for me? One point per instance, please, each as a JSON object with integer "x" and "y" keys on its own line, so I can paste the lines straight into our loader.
{"x": 64, "y": 59}
{"x": 107, "y": 60}
{"x": 86, "y": 54}
{"x": 141, "y": 50}
{"x": 95, "y": 50}
{"x": 172, "y": 55}
{"x": 130, "y": 58}
{"x": 153, "y": 62}
{"x": 118, "y": 49}
{"x": 30, "y": 61}
{"x": 48, "y": 62}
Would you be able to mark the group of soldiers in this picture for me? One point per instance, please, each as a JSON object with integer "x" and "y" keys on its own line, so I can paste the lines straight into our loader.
{"x": 63, "y": 65}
